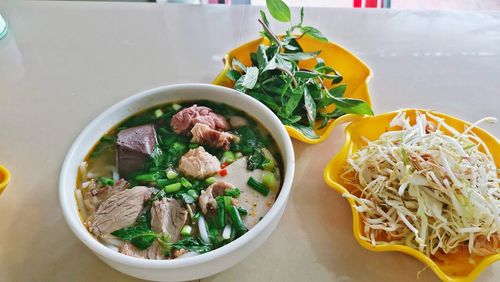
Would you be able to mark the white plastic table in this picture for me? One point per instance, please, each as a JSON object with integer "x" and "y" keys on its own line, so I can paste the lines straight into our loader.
{"x": 62, "y": 63}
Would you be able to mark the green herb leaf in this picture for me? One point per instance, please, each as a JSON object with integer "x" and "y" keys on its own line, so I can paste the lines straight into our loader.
{"x": 353, "y": 106}
{"x": 140, "y": 236}
{"x": 306, "y": 74}
{"x": 310, "y": 106}
{"x": 250, "y": 78}
{"x": 271, "y": 65}
{"x": 313, "y": 32}
{"x": 235, "y": 63}
{"x": 300, "y": 56}
{"x": 293, "y": 101}
{"x": 301, "y": 16}
{"x": 192, "y": 244}
{"x": 264, "y": 17}
{"x": 306, "y": 130}
{"x": 279, "y": 10}
{"x": 261, "y": 56}
{"x": 338, "y": 91}
{"x": 233, "y": 75}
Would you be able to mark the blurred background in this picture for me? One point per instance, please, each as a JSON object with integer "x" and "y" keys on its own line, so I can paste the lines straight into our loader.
{"x": 387, "y": 4}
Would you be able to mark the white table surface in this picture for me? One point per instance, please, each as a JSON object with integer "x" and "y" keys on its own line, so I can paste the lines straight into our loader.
{"x": 63, "y": 63}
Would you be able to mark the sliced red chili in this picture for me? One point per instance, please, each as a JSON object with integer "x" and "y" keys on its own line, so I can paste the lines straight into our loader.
{"x": 224, "y": 164}
{"x": 223, "y": 172}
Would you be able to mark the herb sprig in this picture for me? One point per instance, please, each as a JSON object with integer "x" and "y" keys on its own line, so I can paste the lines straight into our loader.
{"x": 300, "y": 97}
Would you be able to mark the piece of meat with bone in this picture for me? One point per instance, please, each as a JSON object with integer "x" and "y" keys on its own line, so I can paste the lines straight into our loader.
{"x": 119, "y": 211}
{"x": 134, "y": 146}
{"x": 168, "y": 217}
{"x": 207, "y": 201}
{"x": 204, "y": 135}
{"x": 156, "y": 251}
{"x": 94, "y": 195}
{"x": 184, "y": 120}
{"x": 198, "y": 163}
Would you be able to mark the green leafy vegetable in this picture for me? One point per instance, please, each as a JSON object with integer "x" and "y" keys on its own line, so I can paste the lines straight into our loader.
{"x": 235, "y": 192}
{"x": 140, "y": 235}
{"x": 192, "y": 244}
{"x": 299, "y": 97}
{"x": 279, "y": 10}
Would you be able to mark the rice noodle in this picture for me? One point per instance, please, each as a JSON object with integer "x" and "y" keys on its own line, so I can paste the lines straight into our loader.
{"x": 81, "y": 205}
{"x": 427, "y": 189}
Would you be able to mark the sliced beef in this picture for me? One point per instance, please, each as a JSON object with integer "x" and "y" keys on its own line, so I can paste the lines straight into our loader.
{"x": 237, "y": 121}
{"x": 134, "y": 146}
{"x": 168, "y": 217}
{"x": 255, "y": 203}
{"x": 153, "y": 252}
{"x": 198, "y": 163}
{"x": 119, "y": 211}
{"x": 184, "y": 120}
{"x": 203, "y": 134}
{"x": 94, "y": 195}
{"x": 207, "y": 201}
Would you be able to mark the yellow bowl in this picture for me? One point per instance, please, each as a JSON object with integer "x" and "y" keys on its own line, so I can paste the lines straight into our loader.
{"x": 454, "y": 268}
{"x": 355, "y": 73}
{"x": 4, "y": 178}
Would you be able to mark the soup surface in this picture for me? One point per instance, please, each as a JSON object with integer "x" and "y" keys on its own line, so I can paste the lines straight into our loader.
{"x": 178, "y": 180}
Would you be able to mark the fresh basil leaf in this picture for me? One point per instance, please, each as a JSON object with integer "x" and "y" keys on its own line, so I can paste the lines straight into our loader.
{"x": 353, "y": 106}
{"x": 253, "y": 59}
{"x": 320, "y": 64}
{"x": 292, "y": 46}
{"x": 313, "y": 32}
{"x": 293, "y": 100}
{"x": 306, "y": 74}
{"x": 272, "y": 50}
{"x": 271, "y": 65}
{"x": 238, "y": 85}
{"x": 293, "y": 119}
{"x": 300, "y": 56}
{"x": 301, "y": 16}
{"x": 336, "y": 78}
{"x": 237, "y": 64}
{"x": 279, "y": 10}
{"x": 266, "y": 99}
{"x": 250, "y": 78}
{"x": 306, "y": 130}
{"x": 338, "y": 91}
{"x": 326, "y": 117}
{"x": 261, "y": 56}
{"x": 264, "y": 17}
{"x": 233, "y": 75}
{"x": 310, "y": 107}
{"x": 283, "y": 63}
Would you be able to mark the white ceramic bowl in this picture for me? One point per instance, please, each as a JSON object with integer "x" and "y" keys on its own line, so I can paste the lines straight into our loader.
{"x": 192, "y": 267}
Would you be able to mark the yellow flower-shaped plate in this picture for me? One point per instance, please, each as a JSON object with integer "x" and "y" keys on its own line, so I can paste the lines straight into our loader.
{"x": 4, "y": 178}
{"x": 454, "y": 267}
{"x": 355, "y": 73}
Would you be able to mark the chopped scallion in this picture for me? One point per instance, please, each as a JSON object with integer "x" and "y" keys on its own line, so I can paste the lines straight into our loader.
{"x": 257, "y": 186}
{"x": 235, "y": 192}
{"x": 171, "y": 188}
{"x": 171, "y": 174}
{"x": 176, "y": 107}
{"x": 158, "y": 113}
{"x": 211, "y": 180}
{"x": 185, "y": 183}
{"x": 106, "y": 181}
{"x": 186, "y": 230}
